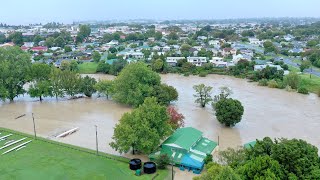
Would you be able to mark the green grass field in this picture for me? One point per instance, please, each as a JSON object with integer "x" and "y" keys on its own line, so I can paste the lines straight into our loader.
{"x": 46, "y": 160}
{"x": 88, "y": 68}
{"x": 312, "y": 84}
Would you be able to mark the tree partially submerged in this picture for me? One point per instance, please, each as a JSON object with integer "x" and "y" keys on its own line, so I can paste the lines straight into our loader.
{"x": 14, "y": 68}
{"x": 203, "y": 94}
{"x": 229, "y": 111}
{"x": 142, "y": 129}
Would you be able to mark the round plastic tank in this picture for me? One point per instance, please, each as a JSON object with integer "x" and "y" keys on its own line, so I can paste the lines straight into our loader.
{"x": 135, "y": 164}
{"x": 149, "y": 167}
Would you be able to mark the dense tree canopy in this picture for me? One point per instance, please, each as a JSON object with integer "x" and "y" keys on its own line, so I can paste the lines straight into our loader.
{"x": 142, "y": 129}
{"x": 14, "y": 72}
{"x": 136, "y": 82}
{"x": 229, "y": 111}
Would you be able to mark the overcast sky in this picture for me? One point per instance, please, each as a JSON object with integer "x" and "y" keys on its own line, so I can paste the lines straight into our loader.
{"x": 67, "y": 11}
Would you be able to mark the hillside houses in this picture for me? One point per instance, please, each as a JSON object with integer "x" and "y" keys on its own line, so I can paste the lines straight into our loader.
{"x": 197, "y": 61}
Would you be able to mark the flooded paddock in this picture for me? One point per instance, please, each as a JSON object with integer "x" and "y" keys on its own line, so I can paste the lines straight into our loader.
{"x": 268, "y": 112}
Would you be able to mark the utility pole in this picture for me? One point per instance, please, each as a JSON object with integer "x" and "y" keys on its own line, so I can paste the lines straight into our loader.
{"x": 171, "y": 167}
{"x": 34, "y": 127}
{"x": 97, "y": 139}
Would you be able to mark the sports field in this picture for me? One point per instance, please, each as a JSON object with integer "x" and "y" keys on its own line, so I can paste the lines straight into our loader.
{"x": 43, "y": 159}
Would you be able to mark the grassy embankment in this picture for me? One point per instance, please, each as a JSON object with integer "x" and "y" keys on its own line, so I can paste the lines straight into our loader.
{"x": 312, "y": 84}
{"x": 45, "y": 159}
{"x": 88, "y": 68}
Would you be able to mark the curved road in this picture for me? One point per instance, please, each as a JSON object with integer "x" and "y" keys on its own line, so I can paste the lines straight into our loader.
{"x": 289, "y": 61}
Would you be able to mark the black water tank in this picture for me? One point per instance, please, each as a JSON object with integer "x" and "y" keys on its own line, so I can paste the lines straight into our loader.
{"x": 149, "y": 167}
{"x": 135, "y": 164}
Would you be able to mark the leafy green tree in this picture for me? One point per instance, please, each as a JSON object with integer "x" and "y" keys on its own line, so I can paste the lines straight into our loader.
{"x": 40, "y": 89}
{"x": 164, "y": 93}
{"x": 227, "y": 173}
{"x": 67, "y": 49}
{"x": 70, "y": 82}
{"x": 56, "y": 80}
{"x": 232, "y": 157}
{"x": 14, "y": 72}
{"x": 37, "y": 39}
{"x": 87, "y": 86}
{"x": 49, "y": 42}
{"x": 213, "y": 171}
{"x": 117, "y": 66}
{"x": 134, "y": 84}
{"x": 305, "y": 65}
{"x": 142, "y": 129}
{"x": 312, "y": 43}
{"x": 104, "y": 87}
{"x": 84, "y": 33}
{"x": 96, "y": 56}
{"x": 292, "y": 80}
{"x": 158, "y": 36}
{"x": 162, "y": 161}
{"x": 225, "y": 92}
{"x": 41, "y": 86}
{"x": 269, "y": 47}
{"x": 59, "y": 42}
{"x": 203, "y": 94}
{"x": 103, "y": 67}
{"x": 157, "y": 65}
{"x": 208, "y": 159}
{"x": 229, "y": 111}
{"x": 2, "y": 38}
{"x": 262, "y": 167}
{"x": 296, "y": 156}
{"x": 173, "y": 36}
{"x": 16, "y": 38}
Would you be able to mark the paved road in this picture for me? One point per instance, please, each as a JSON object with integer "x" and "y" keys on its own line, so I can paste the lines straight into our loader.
{"x": 289, "y": 61}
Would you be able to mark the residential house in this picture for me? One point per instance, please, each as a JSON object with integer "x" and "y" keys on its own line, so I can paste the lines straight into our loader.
{"x": 218, "y": 62}
{"x": 239, "y": 57}
{"x": 166, "y": 49}
{"x": 255, "y": 41}
{"x": 260, "y": 67}
{"x": 198, "y": 61}
{"x": 39, "y": 48}
{"x": 173, "y": 60}
{"x": 137, "y": 55}
{"x": 156, "y": 48}
{"x": 187, "y": 148}
{"x": 214, "y": 43}
{"x": 228, "y": 51}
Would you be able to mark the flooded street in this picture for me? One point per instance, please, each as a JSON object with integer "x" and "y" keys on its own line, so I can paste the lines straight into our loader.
{"x": 268, "y": 112}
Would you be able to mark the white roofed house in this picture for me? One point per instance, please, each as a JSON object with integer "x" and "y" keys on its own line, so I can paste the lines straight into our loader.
{"x": 218, "y": 62}
{"x": 173, "y": 60}
{"x": 198, "y": 61}
{"x": 255, "y": 41}
{"x": 166, "y": 49}
{"x": 137, "y": 55}
{"x": 156, "y": 48}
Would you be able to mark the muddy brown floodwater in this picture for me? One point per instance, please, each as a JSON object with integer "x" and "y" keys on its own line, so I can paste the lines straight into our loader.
{"x": 268, "y": 112}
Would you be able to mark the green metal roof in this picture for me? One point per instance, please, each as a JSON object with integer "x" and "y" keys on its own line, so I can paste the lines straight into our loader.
{"x": 249, "y": 144}
{"x": 205, "y": 145}
{"x": 185, "y": 138}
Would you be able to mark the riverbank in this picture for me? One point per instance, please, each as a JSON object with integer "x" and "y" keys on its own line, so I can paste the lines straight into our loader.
{"x": 311, "y": 84}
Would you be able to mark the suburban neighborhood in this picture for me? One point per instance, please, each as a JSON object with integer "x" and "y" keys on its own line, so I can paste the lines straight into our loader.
{"x": 161, "y": 93}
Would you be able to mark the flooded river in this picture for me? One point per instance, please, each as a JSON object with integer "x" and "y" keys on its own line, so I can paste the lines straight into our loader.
{"x": 268, "y": 112}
